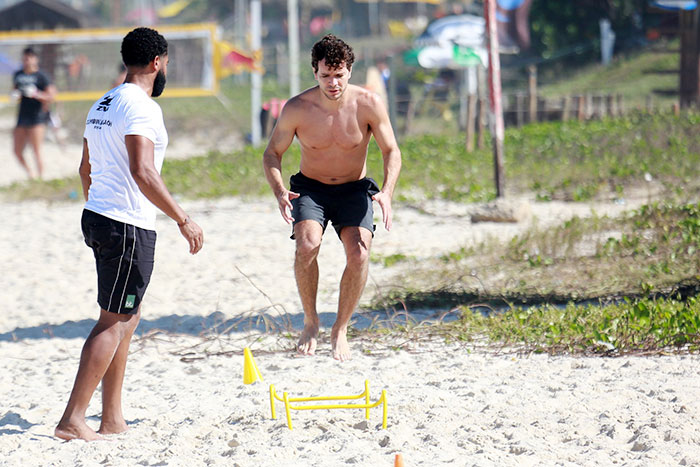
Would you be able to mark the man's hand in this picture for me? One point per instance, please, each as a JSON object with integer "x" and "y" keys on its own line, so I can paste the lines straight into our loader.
{"x": 193, "y": 234}
{"x": 284, "y": 199}
{"x": 384, "y": 201}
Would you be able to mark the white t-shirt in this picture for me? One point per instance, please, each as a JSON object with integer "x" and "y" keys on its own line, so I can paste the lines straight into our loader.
{"x": 124, "y": 110}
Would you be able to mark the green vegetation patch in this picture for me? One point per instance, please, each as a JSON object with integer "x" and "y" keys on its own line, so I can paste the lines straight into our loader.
{"x": 574, "y": 161}
{"x": 639, "y": 326}
{"x": 224, "y": 174}
{"x": 652, "y": 250}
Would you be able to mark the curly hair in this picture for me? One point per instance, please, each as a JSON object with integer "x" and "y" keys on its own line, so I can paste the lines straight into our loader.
{"x": 142, "y": 45}
{"x": 334, "y": 51}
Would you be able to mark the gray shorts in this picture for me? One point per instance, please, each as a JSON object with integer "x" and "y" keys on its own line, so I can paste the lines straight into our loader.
{"x": 345, "y": 205}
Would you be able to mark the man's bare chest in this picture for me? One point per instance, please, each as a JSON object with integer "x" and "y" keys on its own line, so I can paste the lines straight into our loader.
{"x": 323, "y": 131}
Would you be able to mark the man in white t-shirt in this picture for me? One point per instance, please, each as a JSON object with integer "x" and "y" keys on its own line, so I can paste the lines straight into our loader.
{"x": 123, "y": 148}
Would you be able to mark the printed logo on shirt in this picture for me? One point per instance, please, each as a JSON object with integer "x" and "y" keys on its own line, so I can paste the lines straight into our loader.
{"x": 104, "y": 105}
{"x": 98, "y": 123}
{"x": 130, "y": 300}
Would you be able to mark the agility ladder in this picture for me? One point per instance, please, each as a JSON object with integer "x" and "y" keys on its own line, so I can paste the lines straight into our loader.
{"x": 289, "y": 400}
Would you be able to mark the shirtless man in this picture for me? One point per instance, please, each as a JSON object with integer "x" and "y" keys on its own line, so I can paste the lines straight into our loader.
{"x": 333, "y": 122}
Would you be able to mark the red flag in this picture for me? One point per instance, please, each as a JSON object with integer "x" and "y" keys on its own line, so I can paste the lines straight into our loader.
{"x": 238, "y": 62}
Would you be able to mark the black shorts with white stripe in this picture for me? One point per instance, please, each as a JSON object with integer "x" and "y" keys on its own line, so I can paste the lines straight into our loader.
{"x": 124, "y": 257}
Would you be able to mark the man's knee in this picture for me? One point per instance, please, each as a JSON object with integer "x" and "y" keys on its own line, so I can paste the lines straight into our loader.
{"x": 120, "y": 325}
{"x": 358, "y": 254}
{"x": 131, "y": 324}
{"x": 307, "y": 248}
{"x": 357, "y": 246}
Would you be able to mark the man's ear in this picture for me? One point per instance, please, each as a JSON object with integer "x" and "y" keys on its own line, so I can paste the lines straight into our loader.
{"x": 157, "y": 63}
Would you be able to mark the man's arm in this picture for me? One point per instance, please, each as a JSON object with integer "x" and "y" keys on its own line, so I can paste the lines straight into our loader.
{"x": 384, "y": 136}
{"x": 84, "y": 170}
{"x": 282, "y": 136}
{"x": 149, "y": 181}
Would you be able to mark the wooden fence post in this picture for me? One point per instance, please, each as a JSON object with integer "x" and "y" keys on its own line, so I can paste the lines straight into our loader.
{"x": 471, "y": 121}
{"x": 566, "y": 108}
{"x": 612, "y": 110}
{"x": 532, "y": 92}
{"x": 519, "y": 109}
{"x": 581, "y": 108}
{"x": 480, "y": 138}
{"x": 620, "y": 105}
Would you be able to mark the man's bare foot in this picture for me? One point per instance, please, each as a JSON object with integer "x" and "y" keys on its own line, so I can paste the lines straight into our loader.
{"x": 307, "y": 340}
{"x": 69, "y": 432}
{"x": 112, "y": 428}
{"x": 339, "y": 344}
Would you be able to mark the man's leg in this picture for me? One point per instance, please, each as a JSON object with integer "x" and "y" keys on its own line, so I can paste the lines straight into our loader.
{"x": 20, "y": 136}
{"x": 357, "y": 242}
{"x": 308, "y": 236}
{"x": 96, "y": 357}
{"x": 112, "y": 416}
{"x": 36, "y": 139}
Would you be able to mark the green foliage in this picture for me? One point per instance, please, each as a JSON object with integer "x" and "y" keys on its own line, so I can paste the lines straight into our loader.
{"x": 647, "y": 254}
{"x": 218, "y": 174}
{"x": 389, "y": 260}
{"x": 575, "y": 161}
{"x": 626, "y": 327}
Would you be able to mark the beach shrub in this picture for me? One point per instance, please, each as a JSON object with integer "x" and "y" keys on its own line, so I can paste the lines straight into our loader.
{"x": 629, "y": 326}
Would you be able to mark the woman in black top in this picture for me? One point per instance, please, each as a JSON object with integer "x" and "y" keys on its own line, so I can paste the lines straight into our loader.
{"x": 37, "y": 93}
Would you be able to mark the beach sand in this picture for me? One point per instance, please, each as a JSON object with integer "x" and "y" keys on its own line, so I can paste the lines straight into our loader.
{"x": 184, "y": 397}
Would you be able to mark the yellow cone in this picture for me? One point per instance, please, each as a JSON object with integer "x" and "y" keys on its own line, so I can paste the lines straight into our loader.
{"x": 250, "y": 369}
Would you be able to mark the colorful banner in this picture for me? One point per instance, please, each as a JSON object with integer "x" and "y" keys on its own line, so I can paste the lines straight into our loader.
{"x": 235, "y": 61}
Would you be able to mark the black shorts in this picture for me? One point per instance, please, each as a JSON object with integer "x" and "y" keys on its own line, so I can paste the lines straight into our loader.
{"x": 345, "y": 205}
{"x": 27, "y": 119}
{"x": 124, "y": 258}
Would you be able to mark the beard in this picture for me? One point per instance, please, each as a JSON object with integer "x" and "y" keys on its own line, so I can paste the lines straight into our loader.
{"x": 158, "y": 84}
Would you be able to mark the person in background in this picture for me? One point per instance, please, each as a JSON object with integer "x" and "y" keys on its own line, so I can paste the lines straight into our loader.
{"x": 269, "y": 114}
{"x": 36, "y": 93}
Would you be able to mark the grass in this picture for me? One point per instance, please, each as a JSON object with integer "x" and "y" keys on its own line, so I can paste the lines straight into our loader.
{"x": 652, "y": 250}
{"x": 652, "y": 71}
{"x": 642, "y": 326}
{"x": 573, "y": 161}
{"x": 628, "y": 284}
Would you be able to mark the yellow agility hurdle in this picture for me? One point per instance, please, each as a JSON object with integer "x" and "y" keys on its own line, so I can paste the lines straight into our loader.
{"x": 289, "y": 400}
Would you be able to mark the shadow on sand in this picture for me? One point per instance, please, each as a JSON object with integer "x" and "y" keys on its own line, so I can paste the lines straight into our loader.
{"x": 14, "y": 419}
{"x": 219, "y": 323}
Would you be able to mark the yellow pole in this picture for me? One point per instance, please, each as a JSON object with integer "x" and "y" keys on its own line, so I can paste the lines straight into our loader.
{"x": 286, "y": 408}
{"x": 384, "y": 412}
{"x": 367, "y": 399}
{"x": 272, "y": 402}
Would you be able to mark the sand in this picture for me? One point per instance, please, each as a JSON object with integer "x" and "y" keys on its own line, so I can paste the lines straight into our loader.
{"x": 184, "y": 397}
